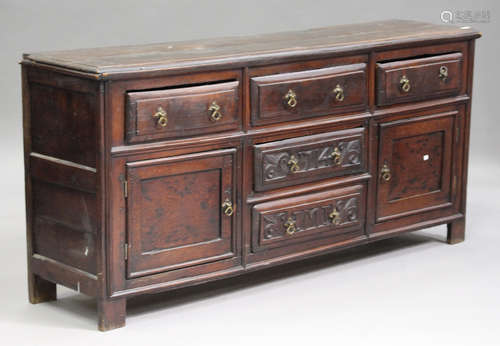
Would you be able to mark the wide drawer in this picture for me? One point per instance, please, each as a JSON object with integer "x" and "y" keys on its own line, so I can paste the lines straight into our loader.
{"x": 309, "y": 158}
{"x": 299, "y": 219}
{"x": 418, "y": 79}
{"x": 297, "y": 95}
{"x": 181, "y": 112}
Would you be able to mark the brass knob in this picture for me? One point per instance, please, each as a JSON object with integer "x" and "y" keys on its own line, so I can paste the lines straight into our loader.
{"x": 227, "y": 207}
{"x": 293, "y": 164}
{"x": 335, "y": 216}
{"x": 385, "y": 173}
{"x": 161, "y": 115}
{"x": 339, "y": 93}
{"x": 215, "y": 114}
{"x": 291, "y": 98}
{"x": 404, "y": 82}
{"x": 336, "y": 156}
{"x": 290, "y": 226}
{"x": 443, "y": 73}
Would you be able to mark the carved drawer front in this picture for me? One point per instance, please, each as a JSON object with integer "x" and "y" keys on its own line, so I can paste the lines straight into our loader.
{"x": 310, "y": 158}
{"x": 309, "y": 217}
{"x": 180, "y": 212}
{"x": 417, "y": 160}
{"x": 181, "y": 112}
{"x": 418, "y": 79}
{"x": 298, "y": 95}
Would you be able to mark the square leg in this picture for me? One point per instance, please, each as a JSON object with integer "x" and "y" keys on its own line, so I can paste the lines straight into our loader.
{"x": 41, "y": 290}
{"x": 111, "y": 313}
{"x": 456, "y": 231}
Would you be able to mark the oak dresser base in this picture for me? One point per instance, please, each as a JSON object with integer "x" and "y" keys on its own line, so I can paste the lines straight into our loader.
{"x": 156, "y": 167}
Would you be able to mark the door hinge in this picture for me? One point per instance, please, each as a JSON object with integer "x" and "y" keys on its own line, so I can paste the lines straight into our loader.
{"x": 125, "y": 188}
{"x": 125, "y": 251}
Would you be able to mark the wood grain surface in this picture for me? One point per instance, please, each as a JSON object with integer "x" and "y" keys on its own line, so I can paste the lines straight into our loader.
{"x": 248, "y": 49}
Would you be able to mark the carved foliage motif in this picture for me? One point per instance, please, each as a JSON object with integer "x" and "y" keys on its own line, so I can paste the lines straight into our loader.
{"x": 276, "y": 165}
{"x": 313, "y": 218}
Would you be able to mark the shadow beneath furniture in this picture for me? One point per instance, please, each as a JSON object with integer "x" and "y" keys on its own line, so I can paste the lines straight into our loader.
{"x": 70, "y": 311}
{"x": 149, "y": 303}
{"x": 77, "y": 311}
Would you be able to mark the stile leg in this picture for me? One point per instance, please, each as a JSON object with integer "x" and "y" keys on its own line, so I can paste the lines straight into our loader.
{"x": 456, "y": 231}
{"x": 40, "y": 290}
{"x": 111, "y": 313}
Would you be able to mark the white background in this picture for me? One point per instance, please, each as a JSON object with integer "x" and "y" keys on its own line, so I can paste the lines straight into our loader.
{"x": 414, "y": 289}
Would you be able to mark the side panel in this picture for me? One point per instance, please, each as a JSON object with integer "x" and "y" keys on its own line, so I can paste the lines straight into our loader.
{"x": 60, "y": 118}
{"x": 63, "y": 124}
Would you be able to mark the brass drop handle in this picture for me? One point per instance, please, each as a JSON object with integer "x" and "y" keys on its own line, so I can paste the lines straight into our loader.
{"x": 339, "y": 93}
{"x": 336, "y": 156}
{"x": 385, "y": 173}
{"x": 214, "y": 110}
{"x": 161, "y": 115}
{"x": 443, "y": 73}
{"x": 293, "y": 164}
{"x": 290, "y": 226}
{"x": 291, "y": 98}
{"x": 404, "y": 82}
{"x": 335, "y": 216}
{"x": 228, "y": 207}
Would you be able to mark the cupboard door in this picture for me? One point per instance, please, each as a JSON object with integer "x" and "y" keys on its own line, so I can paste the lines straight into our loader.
{"x": 415, "y": 165}
{"x": 178, "y": 212}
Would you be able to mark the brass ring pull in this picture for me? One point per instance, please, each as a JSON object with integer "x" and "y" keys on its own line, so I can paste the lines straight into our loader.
{"x": 161, "y": 115}
{"x": 293, "y": 164}
{"x": 335, "y": 216}
{"x": 339, "y": 93}
{"x": 291, "y": 98}
{"x": 227, "y": 207}
{"x": 443, "y": 73}
{"x": 215, "y": 114}
{"x": 404, "y": 82}
{"x": 336, "y": 156}
{"x": 385, "y": 173}
{"x": 290, "y": 226}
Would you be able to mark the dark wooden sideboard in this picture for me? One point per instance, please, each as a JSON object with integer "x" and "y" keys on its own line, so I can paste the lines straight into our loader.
{"x": 154, "y": 167}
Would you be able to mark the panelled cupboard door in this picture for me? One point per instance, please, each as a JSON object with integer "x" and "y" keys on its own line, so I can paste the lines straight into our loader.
{"x": 417, "y": 163}
{"x": 180, "y": 212}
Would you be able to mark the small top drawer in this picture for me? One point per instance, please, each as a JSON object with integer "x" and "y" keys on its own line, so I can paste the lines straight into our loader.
{"x": 297, "y": 95}
{"x": 418, "y": 79}
{"x": 180, "y": 112}
{"x": 309, "y": 158}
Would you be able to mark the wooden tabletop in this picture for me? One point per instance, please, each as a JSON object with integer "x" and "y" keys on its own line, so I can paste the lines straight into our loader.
{"x": 248, "y": 49}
